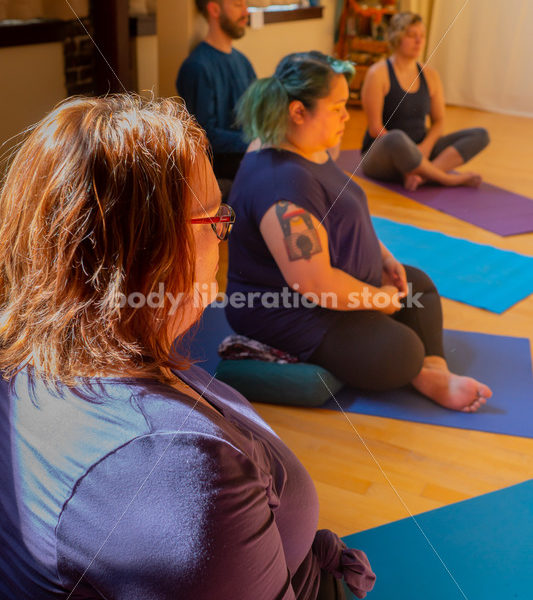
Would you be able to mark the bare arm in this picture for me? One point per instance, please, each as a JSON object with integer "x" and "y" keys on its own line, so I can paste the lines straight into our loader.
{"x": 437, "y": 110}
{"x": 375, "y": 88}
{"x": 299, "y": 245}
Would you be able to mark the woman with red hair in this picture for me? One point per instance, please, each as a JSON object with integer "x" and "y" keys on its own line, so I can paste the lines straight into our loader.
{"x": 127, "y": 473}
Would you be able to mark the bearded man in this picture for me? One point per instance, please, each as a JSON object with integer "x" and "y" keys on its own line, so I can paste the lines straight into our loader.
{"x": 213, "y": 78}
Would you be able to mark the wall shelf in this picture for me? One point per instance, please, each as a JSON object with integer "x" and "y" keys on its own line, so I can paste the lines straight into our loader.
{"x": 361, "y": 36}
{"x": 146, "y": 24}
{"x": 35, "y": 31}
{"x": 294, "y": 14}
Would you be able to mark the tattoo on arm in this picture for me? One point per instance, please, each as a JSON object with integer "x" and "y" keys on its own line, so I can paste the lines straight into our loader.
{"x": 300, "y": 236}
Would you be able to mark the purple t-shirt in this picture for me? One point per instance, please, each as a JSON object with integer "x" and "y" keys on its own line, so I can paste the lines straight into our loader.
{"x": 267, "y": 177}
{"x": 129, "y": 490}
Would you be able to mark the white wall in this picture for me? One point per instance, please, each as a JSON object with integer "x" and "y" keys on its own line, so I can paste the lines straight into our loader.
{"x": 33, "y": 79}
{"x": 35, "y": 9}
{"x": 146, "y": 52}
{"x": 180, "y": 28}
{"x": 483, "y": 52}
{"x": 32, "y": 83}
{"x": 267, "y": 46}
{"x": 175, "y": 32}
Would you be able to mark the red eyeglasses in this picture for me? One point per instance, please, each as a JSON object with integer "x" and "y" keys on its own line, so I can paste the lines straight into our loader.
{"x": 221, "y": 223}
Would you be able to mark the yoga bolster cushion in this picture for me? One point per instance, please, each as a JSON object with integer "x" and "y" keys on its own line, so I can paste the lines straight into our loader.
{"x": 294, "y": 384}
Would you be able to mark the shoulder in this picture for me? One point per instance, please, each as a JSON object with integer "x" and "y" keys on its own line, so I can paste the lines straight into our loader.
{"x": 289, "y": 171}
{"x": 158, "y": 498}
{"x": 378, "y": 71}
{"x": 243, "y": 64}
{"x": 168, "y": 409}
{"x": 182, "y": 454}
{"x": 241, "y": 56}
{"x": 432, "y": 78}
{"x": 430, "y": 72}
{"x": 200, "y": 53}
{"x": 178, "y": 431}
{"x": 268, "y": 176}
{"x": 377, "y": 76}
{"x": 199, "y": 59}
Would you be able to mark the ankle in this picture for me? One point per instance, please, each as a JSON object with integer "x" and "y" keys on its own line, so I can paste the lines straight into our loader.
{"x": 435, "y": 362}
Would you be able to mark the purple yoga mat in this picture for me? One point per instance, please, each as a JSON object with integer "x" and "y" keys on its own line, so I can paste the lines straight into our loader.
{"x": 490, "y": 207}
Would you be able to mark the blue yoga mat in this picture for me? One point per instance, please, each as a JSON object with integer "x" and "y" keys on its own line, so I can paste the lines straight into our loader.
{"x": 475, "y": 274}
{"x": 504, "y": 363}
{"x": 486, "y": 544}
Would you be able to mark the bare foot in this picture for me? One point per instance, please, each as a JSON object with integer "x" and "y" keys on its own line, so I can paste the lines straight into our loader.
{"x": 450, "y": 390}
{"x": 412, "y": 181}
{"x": 466, "y": 178}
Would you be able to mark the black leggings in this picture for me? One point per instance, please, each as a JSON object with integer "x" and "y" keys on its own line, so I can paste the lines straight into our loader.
{"x": 370, "y": 350}
{"x": 394, "y": 154}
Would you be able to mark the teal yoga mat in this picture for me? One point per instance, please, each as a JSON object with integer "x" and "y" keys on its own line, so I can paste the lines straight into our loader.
{"x": 476, "y": 274}
{"x": 479, "y": 549}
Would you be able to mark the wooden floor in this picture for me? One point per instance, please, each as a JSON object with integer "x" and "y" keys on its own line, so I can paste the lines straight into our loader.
{"x": 368, "y": 470}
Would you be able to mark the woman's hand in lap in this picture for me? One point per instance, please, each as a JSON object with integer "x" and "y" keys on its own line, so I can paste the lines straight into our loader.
{"x": 387, "y": 300}
{"x": 394, "y": 273}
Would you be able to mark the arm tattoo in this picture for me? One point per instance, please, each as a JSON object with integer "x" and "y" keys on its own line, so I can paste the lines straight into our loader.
{"x": 300, "y": 236}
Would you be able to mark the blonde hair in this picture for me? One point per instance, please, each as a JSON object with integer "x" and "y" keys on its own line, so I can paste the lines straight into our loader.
{"x": 96, "y": 206}
{"x": 398, "y": 26}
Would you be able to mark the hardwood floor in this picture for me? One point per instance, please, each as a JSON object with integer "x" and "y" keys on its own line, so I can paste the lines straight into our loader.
{"x": 368, "y": 470}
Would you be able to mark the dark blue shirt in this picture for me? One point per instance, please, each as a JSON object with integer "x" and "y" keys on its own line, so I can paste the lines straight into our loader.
{"x": 211, "y": 82}
{"x": 264, "y": 178}
{"x": 130, "y": 490}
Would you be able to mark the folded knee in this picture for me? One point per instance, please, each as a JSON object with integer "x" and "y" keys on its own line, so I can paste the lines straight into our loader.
{"x": 478, "y": 140}
{"x": 396, "y": 140}
{"x": 420, "y": 280}
{"x": 482, "y": 137}
{"x": 396, "y": 365}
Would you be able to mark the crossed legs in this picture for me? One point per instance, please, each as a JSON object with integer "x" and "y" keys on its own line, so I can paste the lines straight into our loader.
{"x": 395, "y": 156}
{"x": 374, "y": 351}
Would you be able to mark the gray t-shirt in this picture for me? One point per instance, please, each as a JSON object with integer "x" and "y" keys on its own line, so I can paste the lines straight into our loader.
{"x": 127, "y": 489}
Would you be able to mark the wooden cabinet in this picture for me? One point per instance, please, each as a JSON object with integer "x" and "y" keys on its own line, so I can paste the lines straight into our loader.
{"x": 361, "y": 39}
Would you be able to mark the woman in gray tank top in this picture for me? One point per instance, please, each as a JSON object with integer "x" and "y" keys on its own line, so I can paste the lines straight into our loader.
{"x": 398, "y": 96}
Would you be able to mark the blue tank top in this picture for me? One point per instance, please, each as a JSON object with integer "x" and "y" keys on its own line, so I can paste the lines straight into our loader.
{"x": 406, "y": 112}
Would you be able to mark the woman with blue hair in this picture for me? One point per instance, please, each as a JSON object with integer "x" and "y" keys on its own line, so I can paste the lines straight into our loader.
{"x": 305, "y": 227}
